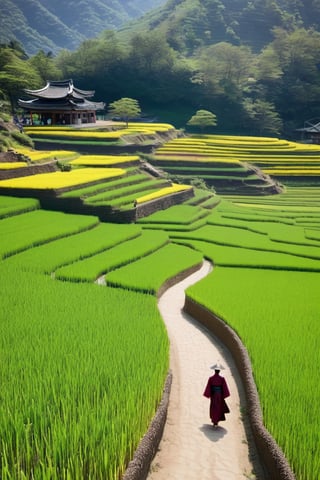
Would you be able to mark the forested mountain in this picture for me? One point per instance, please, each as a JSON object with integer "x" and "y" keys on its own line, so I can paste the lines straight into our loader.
{"x": 256, "y": 64}
{"x": 54, "y": 24}
{"x": 187, "y": 24}
{"x": 190, "y": 24}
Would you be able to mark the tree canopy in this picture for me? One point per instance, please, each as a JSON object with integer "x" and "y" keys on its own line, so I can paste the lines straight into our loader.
{"x": 125, "y": 108}
{"x": 203, "y": 119}
{"x": 16, "y": 73}
{"x": 280, "y": 83}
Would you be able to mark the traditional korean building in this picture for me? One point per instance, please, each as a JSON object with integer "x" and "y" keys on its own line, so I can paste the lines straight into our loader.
{"x": 311, "y": 130}
{"x": 61, "y": 103}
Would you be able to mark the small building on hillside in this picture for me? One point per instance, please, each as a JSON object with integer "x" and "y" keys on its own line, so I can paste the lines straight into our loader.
{"x": 60, "y": 103}
{"x": 311, "y": 131}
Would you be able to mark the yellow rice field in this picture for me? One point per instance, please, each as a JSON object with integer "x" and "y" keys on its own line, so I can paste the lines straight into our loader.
{"x": 56, "y": 180}
{"x": 36, "y": 156}
{"x": 10, "y": 165}
{"x": 175, "y": 188}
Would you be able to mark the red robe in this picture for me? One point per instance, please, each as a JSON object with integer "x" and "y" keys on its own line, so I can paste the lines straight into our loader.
{"x": 217, "y": 390}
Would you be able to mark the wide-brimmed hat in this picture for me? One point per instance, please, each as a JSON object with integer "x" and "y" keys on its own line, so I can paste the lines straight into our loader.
{"x": 218, "y": 366}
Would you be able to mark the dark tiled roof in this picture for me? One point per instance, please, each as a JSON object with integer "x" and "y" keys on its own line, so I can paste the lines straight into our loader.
{"x": 60, "y": 95}
{"x": 60, "y": 89}
{"x": 311, "y": 126}
{"x": 61, "y": 105}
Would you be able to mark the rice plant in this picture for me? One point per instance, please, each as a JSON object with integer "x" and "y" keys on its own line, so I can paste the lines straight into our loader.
{"x": 152, "y": 271}
{"x": 47, "y": 258}
{"x": 24, "y": 231}
{"x": 60, "y": 180}
{"x": 89, "y": 269}
{"x": 82, "y": 370}
{"x": 12, "y": 206}
{"x": 276, "y": 314}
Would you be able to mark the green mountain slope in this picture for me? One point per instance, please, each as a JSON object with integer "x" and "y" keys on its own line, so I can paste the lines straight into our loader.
{"x": 52, "y": 25}
{"x": 190, "y": 24}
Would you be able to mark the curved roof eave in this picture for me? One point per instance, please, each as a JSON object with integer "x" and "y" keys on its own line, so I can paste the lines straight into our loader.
{"x": 65, "y": 106}
{"x": 84, "y": 93}
{"x": 88, "y": 105}
{"x": 36, "y": 92}
{"x": 59, "y": 89}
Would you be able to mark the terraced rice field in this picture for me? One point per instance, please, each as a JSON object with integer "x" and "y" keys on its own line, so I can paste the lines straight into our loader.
{"x": 78, "y": 426}
{"x": 12, "y": 205}
{"x": 112, "y": 134}
{"x": 61, "y": 180}
{"x": 102, "y": 185}
{"x": 35, "y": 156}
{"x": 265, "y": 284}
{"x": 225, "y": 162}
{"x": 105, "y": 160}
{"x": 61, "y": 333}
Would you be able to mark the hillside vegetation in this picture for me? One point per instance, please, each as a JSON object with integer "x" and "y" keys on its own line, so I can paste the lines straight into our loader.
{"x": 189, "y": 25}
{"x": 256, "y": 69}
{"x": 266, "y": 253}
{"x": 47, "y": 25}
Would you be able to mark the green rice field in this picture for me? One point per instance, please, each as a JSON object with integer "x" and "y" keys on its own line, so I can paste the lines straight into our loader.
{"x": 83, "y": 364}
{"x": 265, "y": 285}
{"x": 276, "y": 314}
{"x": 12, "y": 205}
{"x": 74, "y": 404}
{"x": 57, "y": 424}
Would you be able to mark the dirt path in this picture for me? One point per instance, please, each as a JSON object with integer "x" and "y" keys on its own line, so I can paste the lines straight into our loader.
{"x": 191, "y": 449}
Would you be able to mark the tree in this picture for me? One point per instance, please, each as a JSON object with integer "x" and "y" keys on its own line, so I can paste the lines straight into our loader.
{"x": 15, "y": 75}
{"x": 203, "y": 119}
{"x": 226, "y": 69}
{"x": 262, "y": 117}
{"x": 125, "y": 108}
{"x": 298, "y": 89}
{"x": 150, "y": 53}
{"x": 44, "y": 64}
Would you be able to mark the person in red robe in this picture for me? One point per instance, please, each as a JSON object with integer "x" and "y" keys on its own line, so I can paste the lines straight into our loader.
{"x": 217, "y": 390}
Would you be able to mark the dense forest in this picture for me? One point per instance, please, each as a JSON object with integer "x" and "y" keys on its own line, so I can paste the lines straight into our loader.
{"x": 53, "y": 25}
{"x": 256, "y": 65}
{"x": 189, "y": 25}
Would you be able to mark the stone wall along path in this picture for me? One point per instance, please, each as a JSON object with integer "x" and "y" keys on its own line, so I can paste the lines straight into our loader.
{"x": 191, "y": 448}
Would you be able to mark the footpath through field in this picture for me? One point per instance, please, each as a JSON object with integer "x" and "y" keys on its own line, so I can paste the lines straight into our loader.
{"x": 191, "y": 449}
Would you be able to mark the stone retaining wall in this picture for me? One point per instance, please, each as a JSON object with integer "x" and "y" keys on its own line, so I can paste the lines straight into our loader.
{"x": 49, "y": 201}
{"x": 147, "y": 208}
{"x": 269, "y": 451}
{"x": 138, "y": 468}
{"x": 29, "y": 170}
{"x": 93, "y": 149}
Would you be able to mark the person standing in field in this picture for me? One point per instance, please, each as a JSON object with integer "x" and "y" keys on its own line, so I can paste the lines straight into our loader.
{"x": 217, "y": 390}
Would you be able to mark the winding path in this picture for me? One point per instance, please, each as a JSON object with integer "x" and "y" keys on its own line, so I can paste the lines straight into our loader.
{"x": 191, "y": 449}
